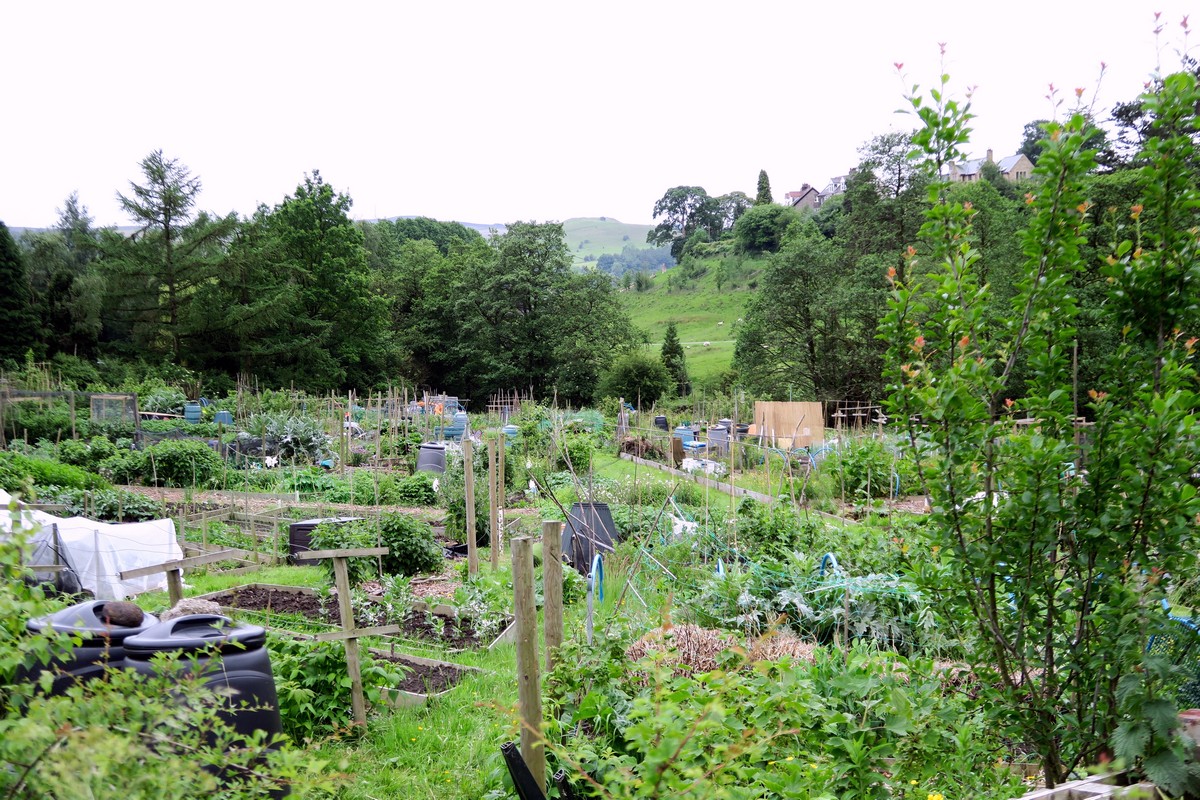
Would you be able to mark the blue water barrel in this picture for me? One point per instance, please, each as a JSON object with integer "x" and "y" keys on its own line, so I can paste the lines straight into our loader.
{"x": 191, "y": 412}
{"x": 223, "y": 417}
{"x": 684, "y": 434}
{"x": 511, "y": 431}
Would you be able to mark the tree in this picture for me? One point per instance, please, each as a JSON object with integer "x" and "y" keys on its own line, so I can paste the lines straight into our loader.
{"x": 732, "y": 206}
{"x": 153, "y": 274}
{"x": 17, "y": 317}
{"x": 1031, "y": 140}
{"x": 525, "y": 318}
{"x": 1058, "y": 568}
{"x": 811, "y": 325}
{"x": 640, "y": 378}
{"x": 764, "y": 189}
{"x": 761, "y": 229}
{"x": 674, "y": 360}
{"x": 684, "y": 210}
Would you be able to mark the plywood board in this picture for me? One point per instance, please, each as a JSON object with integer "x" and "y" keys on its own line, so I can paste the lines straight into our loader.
{"x": 790, "y": 424}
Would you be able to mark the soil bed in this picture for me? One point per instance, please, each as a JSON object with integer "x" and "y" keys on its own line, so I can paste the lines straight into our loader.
{"x": 453, "y": 633}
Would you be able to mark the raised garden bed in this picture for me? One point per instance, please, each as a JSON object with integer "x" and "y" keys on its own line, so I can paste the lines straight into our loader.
{"x": 453, "y": 632}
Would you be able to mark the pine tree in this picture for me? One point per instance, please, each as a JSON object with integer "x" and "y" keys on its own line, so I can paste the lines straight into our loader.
{"x": 674, "y": 360}
{"x": 764, "y": 189}
{"x": 18, "y": 319}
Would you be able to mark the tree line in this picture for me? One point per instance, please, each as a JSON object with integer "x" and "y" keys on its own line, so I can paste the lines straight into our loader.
{"x": 299, "y": 294}
{"x": 810, "y": 330}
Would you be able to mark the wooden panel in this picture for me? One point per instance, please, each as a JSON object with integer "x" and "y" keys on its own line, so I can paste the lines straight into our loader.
{"x": 790, "y": 424}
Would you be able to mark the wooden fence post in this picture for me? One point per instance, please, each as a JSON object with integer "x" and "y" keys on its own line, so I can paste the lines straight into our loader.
{"x": 529, "y": 697}
{"x": 552, "y": 585}
{"x": 469, "y": 490}
{"x": 493, "y": 508}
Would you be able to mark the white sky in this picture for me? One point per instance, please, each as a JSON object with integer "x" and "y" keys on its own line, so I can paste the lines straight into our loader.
{"x": 492, "y": 112}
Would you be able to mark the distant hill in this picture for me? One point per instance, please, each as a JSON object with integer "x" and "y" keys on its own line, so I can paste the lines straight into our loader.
{"x": 596, "y": 236}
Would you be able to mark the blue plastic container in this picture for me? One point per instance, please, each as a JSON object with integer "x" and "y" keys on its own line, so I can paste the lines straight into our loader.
{"x": 684, "y": 434}
{"x": 223, "y": 417}
{"x": 191, "y": 412}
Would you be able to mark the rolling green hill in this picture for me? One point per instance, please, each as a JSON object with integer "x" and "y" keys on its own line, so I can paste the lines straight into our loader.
{"x": 701, "y": 313}
{"x": 595, "y": 236}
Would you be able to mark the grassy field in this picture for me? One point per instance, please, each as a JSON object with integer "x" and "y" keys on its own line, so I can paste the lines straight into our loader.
{"x": 595, "y": 236}
{"x": 701, "y": 314}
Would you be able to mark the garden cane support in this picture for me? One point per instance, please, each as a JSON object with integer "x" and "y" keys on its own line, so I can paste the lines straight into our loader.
{"x": 552, "y": 576}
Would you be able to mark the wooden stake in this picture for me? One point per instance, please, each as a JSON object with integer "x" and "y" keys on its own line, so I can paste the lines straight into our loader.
{"x": 529, "y": 697}
{"x": 493, "y": 506}
{"x": 469, "y": 488}
{"x": 552, "y": 575}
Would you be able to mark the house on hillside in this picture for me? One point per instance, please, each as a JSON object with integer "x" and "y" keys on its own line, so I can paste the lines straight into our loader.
{"x": 836, "y": 186}
{"x": 1014, "y": 168}
{"x": 807, "y": 197}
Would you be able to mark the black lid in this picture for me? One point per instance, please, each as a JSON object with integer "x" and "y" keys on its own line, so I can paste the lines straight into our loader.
{"x": 196, "y": 632}
{"x": 312, "y": 523}
{"x": 86, "y": 619}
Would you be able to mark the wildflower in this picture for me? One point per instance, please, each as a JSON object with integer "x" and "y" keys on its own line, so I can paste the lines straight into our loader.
{"x": 1029, "y": 198}
{"x": 891, "y": 273}
{"x": 913, "y": 782}
{"x": 1009, "y": 402}
{"x": 919, "y": 343}
{"x": 937, "y": 548}
{"x": 963, "y": 342}
{"x": 1136, "y": 211}
{"x": 935, "y": 796}
{"x": 1079, "y": 91}
{"x": 790, "y": 758}
{"x": 899, "y": 65}
{"x": 812, "y": 765}
{"x": 911, "y": 251}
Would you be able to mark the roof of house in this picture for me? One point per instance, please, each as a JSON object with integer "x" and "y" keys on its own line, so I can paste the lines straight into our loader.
{"x": 974, "y": 165}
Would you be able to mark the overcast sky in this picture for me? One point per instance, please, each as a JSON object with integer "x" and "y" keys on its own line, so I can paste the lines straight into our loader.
{"x": 492, "y": 112}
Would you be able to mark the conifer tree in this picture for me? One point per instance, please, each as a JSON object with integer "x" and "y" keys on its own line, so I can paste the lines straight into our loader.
{"x": 674, "y": 360}
{"x": 18, "y": 319}
{"x": 764, "y": 189}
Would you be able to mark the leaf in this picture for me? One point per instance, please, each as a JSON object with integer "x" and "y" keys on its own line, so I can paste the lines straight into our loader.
{"x": 1167, "y": 771}
{"x": 1162, "y": 716}
{"x": 1129, "y": 740}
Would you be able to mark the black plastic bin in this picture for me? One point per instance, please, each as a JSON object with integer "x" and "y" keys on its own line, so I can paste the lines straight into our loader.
{"x": 431, "y": 458}
{"x": 589, "y": 529}
{"x": 101, "y": 645}
{"x": 660, "y": 422}
{"x": 226, "y": 656}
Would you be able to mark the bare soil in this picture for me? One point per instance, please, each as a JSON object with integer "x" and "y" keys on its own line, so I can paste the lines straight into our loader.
{"x": 455, "y": 633}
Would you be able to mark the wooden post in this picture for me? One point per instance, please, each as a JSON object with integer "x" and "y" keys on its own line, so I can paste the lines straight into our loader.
{"x": 493, "y": 507}
{"x": 469, "y": 488}
{"x": 552, "y": 587}
{"x": 342, "y": 580}
{"x": 528, "y": 685}
{"x": 349, "y": 634}
{"x": 501, "y": 483}
{"x": 174, "y": 586}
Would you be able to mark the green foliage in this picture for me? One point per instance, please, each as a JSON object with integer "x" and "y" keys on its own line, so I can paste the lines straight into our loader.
{"x": 762, "y": 228}
{"x": 107, "y": 505}
{"x": 674, "y": 360}
{"x": 639, "y": 378}
{"x": 452, "y": 496}
{"x": 314, "y": 690}
{"x": 869, "y": 469}
{"x": 184, "y": 462}
{"x": 412, "y": 548}
{"x": 417, "y": 490}
{"x": 165, "y": 400}
{"x": 1058, "y": 579}
{"x": 294, "y": 438}
{"x": 345, "y": 536}
{"x": 123, "y": 466}
{"x": 19, "y": 472}
{"x": 17, "y": 313}
{"x": 763, "y": 196}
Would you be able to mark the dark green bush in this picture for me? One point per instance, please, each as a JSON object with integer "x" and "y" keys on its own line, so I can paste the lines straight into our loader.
{"x": 123, "y": 466}
{"x": 182, "y": 463}
{"x": 412, "y": 548}
{"x": 108, "y": 505}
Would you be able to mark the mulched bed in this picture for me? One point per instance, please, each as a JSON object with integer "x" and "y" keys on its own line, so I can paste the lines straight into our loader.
{"x": 454, "y": 633}
{"x": 424, "y": 678}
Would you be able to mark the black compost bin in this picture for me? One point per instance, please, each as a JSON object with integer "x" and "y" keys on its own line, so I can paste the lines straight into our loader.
{"x": 300, "y": 534}
{"x": 660, "y": 422}
{"x": 589, "y": 530}
{"x": 100, "y": 644}
{"x": 226, "y": 656}
{"x": 431, "y": 458}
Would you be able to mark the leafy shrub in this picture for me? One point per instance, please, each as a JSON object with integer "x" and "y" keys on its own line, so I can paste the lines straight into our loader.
{"x": 45, "y": 472}
{"x": 417, "y": 490}
{"x": 183, "y": 463}
{"x": 35, "y": 421}
{"x": 452, "y": 495}
{"x": 347, "y": 535}
{"x": 308, "y": 481}
{"x": 123, "y": 466}
{"x": 867, "y": 468}
{"x": 314, "y": 694}
{"x": 412, "y": 548}
{"x": 165, "y": 400}
{"x": 301, "y": 439}
{"x": 108, "y": 505}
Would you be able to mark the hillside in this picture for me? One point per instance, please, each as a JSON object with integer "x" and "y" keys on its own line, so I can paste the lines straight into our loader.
{"x": 701, "y": 313}
{"x": 595, "y": 236}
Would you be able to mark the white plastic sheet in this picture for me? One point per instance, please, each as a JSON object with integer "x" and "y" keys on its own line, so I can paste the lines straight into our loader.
{"x": 99, "y": 551}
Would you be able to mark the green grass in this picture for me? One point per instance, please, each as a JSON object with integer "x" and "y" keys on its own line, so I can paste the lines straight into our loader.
{"x": 701, "y": 314}
{"x": 596, "y": 236}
